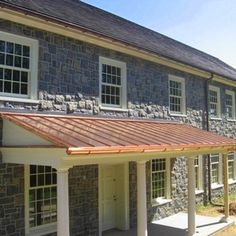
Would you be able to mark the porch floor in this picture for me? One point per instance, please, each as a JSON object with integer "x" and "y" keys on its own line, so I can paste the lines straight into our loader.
{"x": 176, "y": 225}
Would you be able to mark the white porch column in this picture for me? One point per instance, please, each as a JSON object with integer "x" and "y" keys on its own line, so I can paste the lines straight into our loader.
{"x": 63, "y": 226}
{"x": 141, "y": 199}
{"x": 226, "y": 187}
{"x": 191, "y": 197}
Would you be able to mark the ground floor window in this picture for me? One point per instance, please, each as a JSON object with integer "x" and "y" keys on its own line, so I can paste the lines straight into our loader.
{"x": 198, "y": 172}
{"x": 216, "y": 168}
{"x": 160, "y": 179}
{"x": 41, "y": 197}
{"x": 231, "y": 166}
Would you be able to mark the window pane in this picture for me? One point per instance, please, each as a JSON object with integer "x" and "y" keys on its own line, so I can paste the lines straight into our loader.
{"x": 17, "y": 61}
{"x": 26, "y": 51}
{"x": 2, "y": 46}
{"x": 2, "y": 58}
{"x": 9, "y": 60}
{"x": 9, "y": 47}
{"x": 18, "y": 49}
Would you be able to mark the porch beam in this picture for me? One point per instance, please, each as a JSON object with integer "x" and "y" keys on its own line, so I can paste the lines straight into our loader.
{"x": 191, "y": 197}
{"x": 141, "y": 199}
{"x": 63, "y": 226}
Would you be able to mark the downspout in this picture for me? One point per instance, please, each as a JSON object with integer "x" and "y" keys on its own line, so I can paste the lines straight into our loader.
{"x": 207, "y": 128}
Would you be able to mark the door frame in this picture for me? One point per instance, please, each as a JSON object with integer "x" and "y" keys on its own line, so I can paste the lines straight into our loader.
{"x": 126, "y": 195}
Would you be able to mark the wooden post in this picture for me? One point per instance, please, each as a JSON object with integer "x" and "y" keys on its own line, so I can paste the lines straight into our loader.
{"x": 191, "y": 197}
{"x": 226, "y": 187}
{"x": 63, "y": 225}
{"x": 141, "y": 199}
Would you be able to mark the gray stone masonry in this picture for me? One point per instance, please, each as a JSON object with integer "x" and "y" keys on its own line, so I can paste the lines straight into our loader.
{"x": 11, "y": 200}
{"x": 68, "y": 83}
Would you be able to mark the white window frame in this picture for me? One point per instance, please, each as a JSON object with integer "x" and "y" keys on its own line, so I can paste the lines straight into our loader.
{"x": 218, "y": 104}
{"x": 233, "y": 180}
{"x": 33, "y": 71}
{"x": 40, "y": 230}
{"x": 220, "y": 171}
{"x": 183, "y": 97}
{"x": 167, "y": 198}
{"x": 123, "y": 95}
{"x": 231, "y": 93}
{"x": 199, "y": 177}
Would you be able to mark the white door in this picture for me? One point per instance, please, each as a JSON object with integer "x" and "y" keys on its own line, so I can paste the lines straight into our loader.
{"x": 114, "y": 207}
{"x": 108, "y": 198}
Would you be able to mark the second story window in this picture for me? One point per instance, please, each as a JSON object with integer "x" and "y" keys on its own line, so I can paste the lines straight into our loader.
{"x": 18, "y": 66}
{"x": 112, "y": 83}
{"x": 230, "y": 104}
{"x": 176, "y": 95}
{"x": 214, "y": 100}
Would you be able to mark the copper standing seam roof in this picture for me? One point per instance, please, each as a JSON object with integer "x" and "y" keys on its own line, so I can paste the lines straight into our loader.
{"x": 90, "y": 135}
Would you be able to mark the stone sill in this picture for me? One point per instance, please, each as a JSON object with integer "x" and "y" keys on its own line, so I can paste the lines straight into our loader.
{"x": 160, "y": 202}
{"x": 22, "y": 100}
{"x": 231, "y": 120}
{"x": 216, "y": 186}
{"x": 232, "y": 181}
{"x": 198, "y": 192}
{"x": 113, "y": 109}
{"x": 42, "y": 230}
{"x": 176, "y": 114}
{"x": 215, "y": 118}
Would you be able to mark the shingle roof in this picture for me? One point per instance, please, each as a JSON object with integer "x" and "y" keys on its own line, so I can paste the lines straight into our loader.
{"x": 109, "y": 25}
{"x": 90, "y": 135}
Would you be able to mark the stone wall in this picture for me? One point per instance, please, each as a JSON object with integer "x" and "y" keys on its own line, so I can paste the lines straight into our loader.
{"x": 68, "y": 83}
{"x": 11, "y": 199}
{"x": 83, "y": 200}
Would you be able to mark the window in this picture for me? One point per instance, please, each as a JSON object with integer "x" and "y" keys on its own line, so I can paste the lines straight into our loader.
{"x": 41, "y": 198}
{"x": 160, "y": 179}
{"x": 216, "y": 169}
{"x": 112, "y": 83}
{"x": 177, "y": 95}
{"x": 214, "y": 99}
{"x": 18, "y": 66}
{"x": 230, "y": 104}
{"x": 198, "y": 172}
{"x": 231, "y": 166}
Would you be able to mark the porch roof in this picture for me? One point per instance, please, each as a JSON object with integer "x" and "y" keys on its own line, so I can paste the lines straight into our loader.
{"x": 90, "y": 135}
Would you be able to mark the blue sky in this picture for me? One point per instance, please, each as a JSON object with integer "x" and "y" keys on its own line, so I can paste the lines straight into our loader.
{"x": 208, "y": 25}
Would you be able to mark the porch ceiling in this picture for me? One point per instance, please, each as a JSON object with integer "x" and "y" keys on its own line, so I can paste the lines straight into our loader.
{"x": 90, "y": 135}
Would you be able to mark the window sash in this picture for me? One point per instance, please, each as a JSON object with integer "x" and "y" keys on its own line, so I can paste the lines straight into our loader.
{"x": 159, "y": 178}
{"x": 112, "y": 83}
{"x": 176, "y": 95}
{"x": 42, "y": 197}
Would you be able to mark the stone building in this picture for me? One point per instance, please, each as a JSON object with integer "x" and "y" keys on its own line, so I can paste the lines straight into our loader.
{"x": 99, "y": 115}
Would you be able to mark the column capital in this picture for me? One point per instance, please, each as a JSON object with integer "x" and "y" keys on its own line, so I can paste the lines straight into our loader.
{"x": 62, "y": 170}
{"x": 141, "y": 162}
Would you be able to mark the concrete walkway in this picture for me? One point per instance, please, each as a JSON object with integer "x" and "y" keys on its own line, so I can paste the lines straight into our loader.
{"x": 176, "y": 225}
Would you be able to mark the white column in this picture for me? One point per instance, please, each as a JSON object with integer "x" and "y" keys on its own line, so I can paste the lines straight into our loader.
{"x": 141, "y": 199}
{"x": 63, "y": 226}
{"x": 191, "y": 197}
